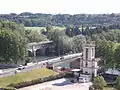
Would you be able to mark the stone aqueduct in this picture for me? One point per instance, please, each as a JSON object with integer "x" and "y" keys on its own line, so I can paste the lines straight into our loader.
{"x": 40, "y": 48}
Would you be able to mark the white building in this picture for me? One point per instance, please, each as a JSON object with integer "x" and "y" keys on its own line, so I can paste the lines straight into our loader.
{"x": 88, "y": 63}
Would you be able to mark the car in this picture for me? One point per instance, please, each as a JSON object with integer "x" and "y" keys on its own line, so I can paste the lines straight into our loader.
{"x": 61, "y": 58}
{"x": 21, "y": 67}
{"x": 1, "y": 72}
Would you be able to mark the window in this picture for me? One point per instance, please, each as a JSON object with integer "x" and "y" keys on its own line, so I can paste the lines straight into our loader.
{"x": 92, "y": 52}
{"x": 86, "y": 64}
{"x": 86, "y": 72}
{"x": 86, "y": 53}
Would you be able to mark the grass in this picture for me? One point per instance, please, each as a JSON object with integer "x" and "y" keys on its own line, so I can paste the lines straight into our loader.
{"x": 27, "y": 76}
{"x": 34, "y": 28}
{"x": 40, "y": 28}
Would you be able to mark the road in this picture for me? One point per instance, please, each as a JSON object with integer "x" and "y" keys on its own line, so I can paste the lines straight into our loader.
{"x": 36, "y": 65}
{"x": 59, "y": 84}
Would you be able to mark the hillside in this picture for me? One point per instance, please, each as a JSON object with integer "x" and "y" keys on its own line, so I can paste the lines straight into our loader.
{"x": 38, "y": 19}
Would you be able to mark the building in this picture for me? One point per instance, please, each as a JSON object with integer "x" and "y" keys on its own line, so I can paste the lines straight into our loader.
{"x": 88, "y": 63}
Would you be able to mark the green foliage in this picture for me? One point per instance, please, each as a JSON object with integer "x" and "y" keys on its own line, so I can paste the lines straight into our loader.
{"x": 38, "y": 19}
{"x": 12, "y": 46}
{"x": 117, "y": 56}
{"x": 31, "y": 76}
{"x": 54, "y": 34}
{"x": 34, "y": 36}
{"x": 78, "y": 43}
{"x": 105, "y": 49}
{"x": 99, "y": 80}
{"x": 8, "y": 25}
{"x": 118, "y": 83}
{"x": 64, "y": 44}
{"x": 47, "y": 77}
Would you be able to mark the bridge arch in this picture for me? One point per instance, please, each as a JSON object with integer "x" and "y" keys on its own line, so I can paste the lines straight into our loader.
{"x": 30, "y": 54}
{"x": 38, "y": 52}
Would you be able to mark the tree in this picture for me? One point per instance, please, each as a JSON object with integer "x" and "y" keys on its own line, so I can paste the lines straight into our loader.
{"x": 77, "y": 43}
{"x": 12, "y": 46}
{"x": 70, "y": 31}
{"x": 118, "y": 83}
{"x": 56, "y": 36}
{"x": 64, "y": 44}
{"x": 117, "y": 56}
{"x": 35, "y": 36}
{"x": 99, "y": 81}
{"x": 105, "y": 49}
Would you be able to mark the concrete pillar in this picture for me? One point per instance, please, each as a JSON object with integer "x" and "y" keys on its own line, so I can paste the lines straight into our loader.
{"x": 34, "y": 53}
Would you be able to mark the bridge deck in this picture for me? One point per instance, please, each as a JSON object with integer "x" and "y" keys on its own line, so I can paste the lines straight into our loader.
{"x": 67, "y": 60}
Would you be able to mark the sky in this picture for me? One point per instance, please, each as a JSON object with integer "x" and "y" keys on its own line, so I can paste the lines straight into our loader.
{"x": 60, "y": 6}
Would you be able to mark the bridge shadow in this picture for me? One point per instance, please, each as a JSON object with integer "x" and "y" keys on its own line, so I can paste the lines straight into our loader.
{"x": 63, "y": 83}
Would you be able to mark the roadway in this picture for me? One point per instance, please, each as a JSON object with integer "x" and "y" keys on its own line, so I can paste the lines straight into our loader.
{"x": 37, "y": 65}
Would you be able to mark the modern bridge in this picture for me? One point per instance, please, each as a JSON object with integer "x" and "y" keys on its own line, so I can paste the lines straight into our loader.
{"x": 65, "y": 59}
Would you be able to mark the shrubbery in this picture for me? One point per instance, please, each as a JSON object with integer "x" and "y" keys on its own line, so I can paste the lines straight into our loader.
{"x": 98, "y": 84}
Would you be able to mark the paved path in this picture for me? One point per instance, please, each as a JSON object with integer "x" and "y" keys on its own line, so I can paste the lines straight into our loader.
{"x": 60, "y": 84}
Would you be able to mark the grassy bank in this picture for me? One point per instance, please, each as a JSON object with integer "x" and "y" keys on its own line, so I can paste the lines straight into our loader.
{"x": 27, "y": 76}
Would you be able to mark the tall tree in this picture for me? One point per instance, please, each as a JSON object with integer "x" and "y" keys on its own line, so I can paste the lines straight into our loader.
{"x": 105, "y": 49}
{"x": 78, "y": 42}
{"x": 117, "y": 56}
{"x": 12, "y": 46}
{"x": 35, "y": 36}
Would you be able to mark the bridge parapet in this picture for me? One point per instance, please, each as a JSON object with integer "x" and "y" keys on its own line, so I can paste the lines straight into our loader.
{"x": 37, "y": 45}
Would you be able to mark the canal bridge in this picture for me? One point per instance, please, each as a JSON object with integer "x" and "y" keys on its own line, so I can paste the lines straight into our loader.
{"x": 37, "y": 48}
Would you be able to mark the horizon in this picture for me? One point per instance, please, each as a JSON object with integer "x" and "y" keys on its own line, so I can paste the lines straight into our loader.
{"x": 59, "y": 13}
{"x": 60, "y": 6}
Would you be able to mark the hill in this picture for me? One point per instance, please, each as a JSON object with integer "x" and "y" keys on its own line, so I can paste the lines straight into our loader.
{"x": 39, "y": 19}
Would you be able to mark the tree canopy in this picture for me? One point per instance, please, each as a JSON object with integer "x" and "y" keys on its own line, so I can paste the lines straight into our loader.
{"x": 39, "y": 19}
{"x": 12, "y": 46}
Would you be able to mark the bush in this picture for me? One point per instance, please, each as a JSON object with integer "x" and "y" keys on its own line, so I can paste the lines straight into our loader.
{"x": 99, "y": 81}
{"x": 69, "y": 74}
